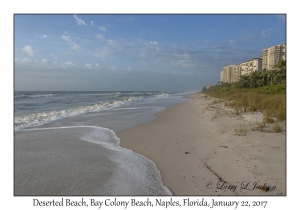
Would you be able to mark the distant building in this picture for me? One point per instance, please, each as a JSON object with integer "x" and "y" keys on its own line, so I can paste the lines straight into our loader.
{"x": 272, "y": 55}
{"x": 222, "y": 76}
{"x": 230, "y": 74}
{"x": 250, "y": 66}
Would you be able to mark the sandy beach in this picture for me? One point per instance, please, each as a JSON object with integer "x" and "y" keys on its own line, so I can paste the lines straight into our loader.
{"x": 203, "y": 148}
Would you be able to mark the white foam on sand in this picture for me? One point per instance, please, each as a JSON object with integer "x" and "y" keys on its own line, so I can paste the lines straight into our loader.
{"x": 128, "y": 172}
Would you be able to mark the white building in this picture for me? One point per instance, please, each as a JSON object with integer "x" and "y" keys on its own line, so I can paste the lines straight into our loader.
{"x": 272, "y": 55}
{"x": 250, "y": 66}
{"x": 230, "y": 74}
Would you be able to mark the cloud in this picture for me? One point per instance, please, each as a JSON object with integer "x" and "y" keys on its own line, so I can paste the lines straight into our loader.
{"x": 152, "y": 45}
{"x": 74, "y": 45}
{"x": 68, "y": 64}
{"x": 104, "y": 52}
{"x": 102, "y": 28}
{"x": 67, "y": 38}
{"x": 24, "y": 60}
{"x": 110, "y": 42}
{"x": 44, "y": 36}
{"x": 267, "y": 32}
{"x": 179, "y": 58}
{"x": 79, "y": 21}
{"x": 92, "y": 23}
{"x": 54, "y": 63}
{"x": 264, "y": 33}
{"x": 143, "y": 62}
{"x": 99, "y": 66}
{"x": 89, "y": 65}
{"x": 142, "y": 55}
{"x": 148, "y": 52}
{"x": 100, "y": 36}
{"x": 28, "y": 49}
{"x": 282, "y": 17}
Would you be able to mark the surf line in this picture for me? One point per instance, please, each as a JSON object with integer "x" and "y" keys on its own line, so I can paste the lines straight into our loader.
{"x": 65, "y": 127}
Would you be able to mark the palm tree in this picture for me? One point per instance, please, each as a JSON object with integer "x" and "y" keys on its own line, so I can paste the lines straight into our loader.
{"x": 277, "y": 79}
{"x": 260, "y": 83}
{"x": 252, "y": 79}
{"x": 260, "y": 79}
{"x": 281, "y": 65}
{"x": 270, "y": 76}
{"x": 244, "y": 81}
{"x": 264, "y": 74}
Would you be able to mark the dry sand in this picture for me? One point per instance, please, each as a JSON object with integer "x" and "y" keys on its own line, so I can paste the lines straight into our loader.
{"x": 198, "y": 151}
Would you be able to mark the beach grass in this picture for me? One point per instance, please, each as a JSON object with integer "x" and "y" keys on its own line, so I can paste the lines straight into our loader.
{"x": 240, "y": 130}
{"x": 273, "y": 106}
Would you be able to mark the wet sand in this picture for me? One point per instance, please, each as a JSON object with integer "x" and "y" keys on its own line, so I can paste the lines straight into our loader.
{"x": 69, "y": 161}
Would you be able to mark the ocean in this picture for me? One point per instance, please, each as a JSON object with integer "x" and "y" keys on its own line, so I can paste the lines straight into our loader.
{"x": 93, "y": 117}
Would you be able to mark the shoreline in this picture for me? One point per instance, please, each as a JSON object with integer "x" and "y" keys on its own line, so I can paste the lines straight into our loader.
{"x": 76, "y": 161}
{"x": 197, "y": 152}
{"x": 82, "y": 156}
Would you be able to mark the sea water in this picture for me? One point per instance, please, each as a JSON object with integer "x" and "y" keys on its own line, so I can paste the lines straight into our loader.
{"x": 96, "y": 117}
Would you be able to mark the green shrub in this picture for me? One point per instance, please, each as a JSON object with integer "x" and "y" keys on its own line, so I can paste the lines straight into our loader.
{"x": 272, "y": 89}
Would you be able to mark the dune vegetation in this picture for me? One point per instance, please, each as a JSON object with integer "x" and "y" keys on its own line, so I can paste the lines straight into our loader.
{"x": 263, "y": 91}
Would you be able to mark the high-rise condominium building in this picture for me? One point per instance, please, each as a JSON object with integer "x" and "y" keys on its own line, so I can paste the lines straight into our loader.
{"x": 272, "y": 55}
{"x": 230, "y": 74}
{"x": 250, "y": 66}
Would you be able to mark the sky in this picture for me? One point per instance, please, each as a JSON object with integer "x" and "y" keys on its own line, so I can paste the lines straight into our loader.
{"x": 129, "y": 52}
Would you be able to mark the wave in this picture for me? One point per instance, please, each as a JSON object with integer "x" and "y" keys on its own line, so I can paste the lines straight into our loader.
{"x": 161, "y": 95}
{"x": 45, "y": 117}
{"x": 42, "y": 118}
{"x": 97, "y": 94}
{"x": 34, "y": 96}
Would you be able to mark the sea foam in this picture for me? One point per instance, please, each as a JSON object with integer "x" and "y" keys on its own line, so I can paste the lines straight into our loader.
{"x": 130, "y": 173}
